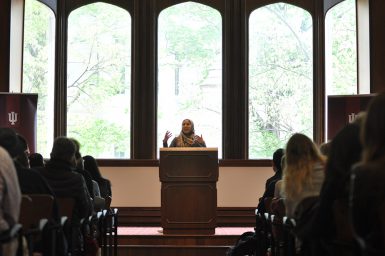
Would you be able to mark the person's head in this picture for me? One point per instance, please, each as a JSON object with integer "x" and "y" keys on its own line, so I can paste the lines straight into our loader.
{"x": 64, "y": 149}
{"x": 91, "y": 166}
{"x": 301, "y": 155}
{"x": 373, "y": 132}
{"x": 36, "y": 160}
{"x": 325, "y": 148}
{"x": 277, "y": 157}
{"x": 345, "y": 150}
{"x": 188, "y": 127}
{"x": 78, "y": 155}
{"x": 11, "y": 142}
{"x": 22, "y": 158}
{"x": 301, "y": 150}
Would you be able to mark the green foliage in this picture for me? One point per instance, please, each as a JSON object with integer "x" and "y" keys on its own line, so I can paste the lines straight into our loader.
{"x": 191, "y": 35}
{"x": 99, "y": 70}
{"x": 344, "y": 51}
{"x": 280, "y": 77}
{"x": 101, "y": 138}
{"x": 37, "y": 65}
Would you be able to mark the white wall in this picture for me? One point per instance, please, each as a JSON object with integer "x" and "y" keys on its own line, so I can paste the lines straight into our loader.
{"x": 140, "y": 186}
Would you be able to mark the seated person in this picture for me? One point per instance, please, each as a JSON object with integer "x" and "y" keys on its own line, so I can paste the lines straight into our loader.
{"x": 92, "y": 167}
{"x": 186, "y": 137}
{"x": 270, "y": 183}
{"x": 304, "y": 171}
{"x": 277, "y": 167}
{"x": 278, "y": 184}
{"x": 10, "y": 199}
{"x": 368, "y": 177}
{"x": 64, "y": 181}
{"x": 30, "y": 180}
{"x": 36, "y": 160}
{"x": 79, "y": 167}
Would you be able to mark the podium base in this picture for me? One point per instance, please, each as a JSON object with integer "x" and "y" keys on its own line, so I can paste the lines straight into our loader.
{"x": 183, "y": 231}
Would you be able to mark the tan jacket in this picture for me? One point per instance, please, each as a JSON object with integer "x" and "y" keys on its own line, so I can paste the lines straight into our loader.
{"x": 10, "y": 195}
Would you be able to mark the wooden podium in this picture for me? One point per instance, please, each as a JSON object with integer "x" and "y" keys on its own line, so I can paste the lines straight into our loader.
{"x": 189, "y": 191}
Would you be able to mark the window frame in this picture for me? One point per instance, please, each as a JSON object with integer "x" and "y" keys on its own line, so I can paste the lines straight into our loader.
{"x": 235, "y": 16}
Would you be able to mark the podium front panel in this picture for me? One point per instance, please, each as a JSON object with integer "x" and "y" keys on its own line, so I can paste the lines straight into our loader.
{"x": 189, "y": 192}
{"x": 189, "y": 207}
{"x": 188, "y": 164}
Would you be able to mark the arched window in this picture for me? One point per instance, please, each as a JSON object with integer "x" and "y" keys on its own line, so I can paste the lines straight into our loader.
{"x": 190, "y": 71}
{"x": 39, "y": 67}
{"x": 99, "y": 80}
{"x": 280, "y": 77}
{"x": 341, "y": 49}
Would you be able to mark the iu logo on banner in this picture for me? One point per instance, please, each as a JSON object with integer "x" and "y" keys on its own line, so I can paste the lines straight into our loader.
{"x": 343, "y": 109}
{"x": 12, "y": 118}
{"x": 18, "y": 111}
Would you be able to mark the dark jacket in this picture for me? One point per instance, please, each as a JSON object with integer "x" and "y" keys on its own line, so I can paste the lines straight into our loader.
{"x": 368, "y": 204}
{"x": 67, "y": 183}
{"x": 31, "y": 181}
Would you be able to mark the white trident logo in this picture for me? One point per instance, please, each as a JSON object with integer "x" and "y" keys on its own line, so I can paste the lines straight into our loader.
{"x": 12, "y": 117}
{"x": 352, "y": 117}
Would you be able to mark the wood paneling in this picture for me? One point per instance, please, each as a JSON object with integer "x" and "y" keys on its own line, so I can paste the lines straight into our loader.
{"x": 151, "y": 216}
{"x": 5, "y": 24}
{"x": 377, "y": 45}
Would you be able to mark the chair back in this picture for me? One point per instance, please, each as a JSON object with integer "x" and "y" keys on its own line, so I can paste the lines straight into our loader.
{"x": 267, "y": 201}
{"x": 43, "y": 205}
{"x": 26, "y": 218}
{"x": 66, "y": 206}
{"x": 108, "y": 200}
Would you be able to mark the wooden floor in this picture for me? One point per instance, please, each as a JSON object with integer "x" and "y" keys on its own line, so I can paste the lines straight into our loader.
{"x": 149, "y": 241}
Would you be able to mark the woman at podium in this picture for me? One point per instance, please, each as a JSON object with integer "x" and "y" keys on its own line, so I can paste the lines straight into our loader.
{"x": 186, "y": 137}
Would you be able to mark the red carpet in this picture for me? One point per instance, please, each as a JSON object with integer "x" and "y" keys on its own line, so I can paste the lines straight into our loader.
{"x": 145, "y": 231}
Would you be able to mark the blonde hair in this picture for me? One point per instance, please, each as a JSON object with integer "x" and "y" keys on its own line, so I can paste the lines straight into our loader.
{"x": 301, "y": 156}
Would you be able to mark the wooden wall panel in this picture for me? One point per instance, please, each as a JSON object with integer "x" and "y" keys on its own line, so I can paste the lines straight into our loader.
{"x": 377, "y": 45}
{"x": 151, "y": 216}
{"x": 5, "y": 24}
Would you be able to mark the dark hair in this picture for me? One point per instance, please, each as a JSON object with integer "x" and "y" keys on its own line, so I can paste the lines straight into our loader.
{"x": 10, "y": 142}
{"x": 36, "y": 160}
{"x": 373, "y": 132}
{"x": 345, "y": 151}
{"x": 91, "y": 166}
{"x": 77, "y": 148}
{"x": 63, "y": 149}
{"x": 277, "y": 157}
{"x": 324, "y": 148}
{"x": 22, "y": 157}
{"x": 23, "y": 141}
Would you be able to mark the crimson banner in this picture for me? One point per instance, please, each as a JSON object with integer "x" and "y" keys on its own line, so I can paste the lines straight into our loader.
{"x": 343, "y": 109}
{"x": 18, "y": 111}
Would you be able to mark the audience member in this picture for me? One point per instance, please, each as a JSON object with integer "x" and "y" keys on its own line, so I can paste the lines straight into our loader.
{"x": 36, "y": 160}
{"x": 367, "y": 193}
{"x": 186, "y": 137}
{"x": 10, "y": 195}
{"x": 277, "y": 167}
{"x": 278, "y": 184}
{"x": 30, "y": 180}
{"x": 79, "y": 168}
{"x": 92, "y": 167}
{"x": 270, "y": 182}
{"x": 345, "y": 151}
{"x": 304, "y": 171}
{"x": 59, "y": 172}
